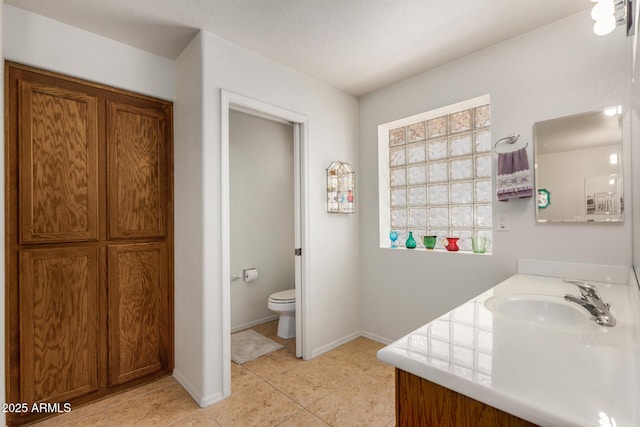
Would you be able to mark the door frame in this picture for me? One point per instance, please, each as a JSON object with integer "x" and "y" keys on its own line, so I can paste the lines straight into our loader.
{"x": 233, "y": 101}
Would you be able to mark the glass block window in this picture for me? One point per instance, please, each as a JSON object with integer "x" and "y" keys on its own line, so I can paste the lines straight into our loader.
{"x": 438, "y": 175}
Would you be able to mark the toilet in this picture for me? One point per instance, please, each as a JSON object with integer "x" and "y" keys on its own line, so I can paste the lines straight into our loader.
{"x": 284, "y": 303}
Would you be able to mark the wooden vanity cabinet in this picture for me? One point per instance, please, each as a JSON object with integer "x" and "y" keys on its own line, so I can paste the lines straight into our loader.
{"x": 89, "y": 239}
{"x": 420, "y": 402}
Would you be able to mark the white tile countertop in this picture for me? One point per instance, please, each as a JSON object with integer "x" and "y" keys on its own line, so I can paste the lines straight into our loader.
{"x": 549, "y": 374}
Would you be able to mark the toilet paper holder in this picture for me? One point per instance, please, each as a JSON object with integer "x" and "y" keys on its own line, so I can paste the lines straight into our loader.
{"x": 245, "y": 274}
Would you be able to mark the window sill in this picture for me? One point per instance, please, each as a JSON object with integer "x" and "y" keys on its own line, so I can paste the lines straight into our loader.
{"x": 437, "y": 250}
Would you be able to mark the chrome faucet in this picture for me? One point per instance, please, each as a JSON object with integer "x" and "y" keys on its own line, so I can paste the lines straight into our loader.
{"x": 591, "y": 300}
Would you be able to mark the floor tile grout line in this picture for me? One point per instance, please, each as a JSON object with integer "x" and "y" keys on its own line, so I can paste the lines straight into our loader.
{"x": 187, "y": 416}
{"x": 319, "y": 417}
{"x": 298, "y": 402}
{"x": 297, "y": 413}
{"x": 269, "y": 376}
{"x": 138, "y": 396}
{"x": 349, "y": 381}
{"x": 246, "y": 389}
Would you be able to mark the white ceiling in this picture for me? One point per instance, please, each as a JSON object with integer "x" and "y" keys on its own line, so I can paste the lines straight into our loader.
{"x": 354, "y": 45}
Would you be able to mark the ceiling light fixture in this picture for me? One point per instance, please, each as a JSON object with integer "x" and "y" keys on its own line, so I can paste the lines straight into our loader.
{"x": 608, "y": 14}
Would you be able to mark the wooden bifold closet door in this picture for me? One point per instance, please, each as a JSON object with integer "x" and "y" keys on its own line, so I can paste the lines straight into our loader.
{"x": 58, "y": 323}
{"x": 89, "y": 241}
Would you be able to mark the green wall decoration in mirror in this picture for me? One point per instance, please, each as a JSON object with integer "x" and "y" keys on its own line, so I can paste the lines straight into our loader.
{"x": 544, "y": 198}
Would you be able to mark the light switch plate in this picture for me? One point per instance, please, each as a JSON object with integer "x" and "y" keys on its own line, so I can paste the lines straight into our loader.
{"x": 504, "y": 223}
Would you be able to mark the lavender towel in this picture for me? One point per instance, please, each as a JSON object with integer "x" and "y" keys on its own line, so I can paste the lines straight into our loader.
{"x": 514, "y": 176}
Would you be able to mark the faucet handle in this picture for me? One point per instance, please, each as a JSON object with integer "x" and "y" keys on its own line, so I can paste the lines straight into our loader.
{"x": 581, "y": 301}
{"x": 586, "y": 288}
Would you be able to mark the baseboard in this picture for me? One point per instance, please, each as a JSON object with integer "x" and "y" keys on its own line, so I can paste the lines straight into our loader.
{"x": 215, "y": 398}
{"x": 335, "y": 344}
{"x": 376, "y": 338}
{"x": 201, "y": 401}
{"x": 248, "y": 325}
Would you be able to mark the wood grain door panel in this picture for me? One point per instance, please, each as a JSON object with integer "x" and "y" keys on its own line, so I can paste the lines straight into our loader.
{"x": 58, "y": 323}
{"x": 137, "y": 171}
{"x": 137, "y": 310}
{"x": 89, "y": 239}
{"x": 58, "y": 164}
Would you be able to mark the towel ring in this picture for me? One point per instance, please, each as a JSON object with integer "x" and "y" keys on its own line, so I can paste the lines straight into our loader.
{"x": 510, "y": 139}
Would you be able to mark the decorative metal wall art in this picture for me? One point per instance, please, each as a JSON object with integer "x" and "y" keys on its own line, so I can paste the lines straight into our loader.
{"x": 341, "y": 188}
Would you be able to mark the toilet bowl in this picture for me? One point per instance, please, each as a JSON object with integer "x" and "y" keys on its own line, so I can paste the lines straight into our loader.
{"x": 284, "y": 303}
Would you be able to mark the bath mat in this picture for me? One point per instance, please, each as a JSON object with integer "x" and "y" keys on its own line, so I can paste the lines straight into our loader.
{"x": 249, "y": 345}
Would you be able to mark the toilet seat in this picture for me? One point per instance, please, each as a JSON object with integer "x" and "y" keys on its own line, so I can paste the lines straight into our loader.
{"x": 283, "y": 297}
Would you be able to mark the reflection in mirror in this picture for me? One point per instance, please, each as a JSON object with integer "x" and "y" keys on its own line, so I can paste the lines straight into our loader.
{"x": 579, "y": 168}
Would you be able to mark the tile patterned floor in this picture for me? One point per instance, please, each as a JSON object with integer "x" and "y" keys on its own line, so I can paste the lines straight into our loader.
{"x": 347, "y": 386}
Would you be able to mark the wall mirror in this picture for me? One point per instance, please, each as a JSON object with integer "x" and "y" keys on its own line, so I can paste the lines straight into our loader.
{"x": 579, "y": 167}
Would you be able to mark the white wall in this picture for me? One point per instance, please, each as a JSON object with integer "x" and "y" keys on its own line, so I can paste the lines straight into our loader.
{"x": 261, "y": 221}
{"x": 332, "y": 247}
{"x": 189, "y": 305}
{"x": 42, "y": 42}
{"x": 635, "y": 184}
{"x": 557, "y": 70}
{"x": 635, "y": 152}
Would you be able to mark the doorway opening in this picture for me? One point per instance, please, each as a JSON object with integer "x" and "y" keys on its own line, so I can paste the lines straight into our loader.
{"x": 235, "y": 102}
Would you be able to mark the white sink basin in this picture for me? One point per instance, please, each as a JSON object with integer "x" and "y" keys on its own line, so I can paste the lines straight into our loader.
{"x": 541, "y": 310}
